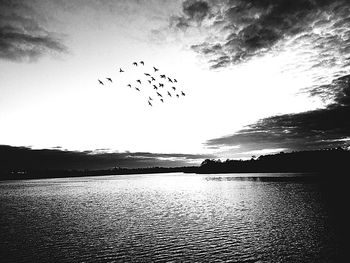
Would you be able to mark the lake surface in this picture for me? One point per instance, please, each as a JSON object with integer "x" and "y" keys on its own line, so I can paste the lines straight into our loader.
{"x": 165, "y": 218}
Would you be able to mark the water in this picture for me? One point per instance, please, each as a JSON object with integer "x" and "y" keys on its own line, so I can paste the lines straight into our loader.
{"x": 165, "y": 217}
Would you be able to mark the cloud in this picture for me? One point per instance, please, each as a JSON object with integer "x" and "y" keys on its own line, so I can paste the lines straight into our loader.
{"x": 27, "y": 158}
{"x": 338, "y": 91}
{"x": 195, "y": 10}
{"x": 247, "y": 28}
{"x": 193, "y": 13}
{"x": 22, "y": 37}
{"x": 316, "y": 129}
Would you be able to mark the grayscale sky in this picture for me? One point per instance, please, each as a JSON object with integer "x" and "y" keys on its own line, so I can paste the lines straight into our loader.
{"x": 259, "y": 76}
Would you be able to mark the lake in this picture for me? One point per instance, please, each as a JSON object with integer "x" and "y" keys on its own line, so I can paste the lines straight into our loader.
{"x": 167, "y": 218}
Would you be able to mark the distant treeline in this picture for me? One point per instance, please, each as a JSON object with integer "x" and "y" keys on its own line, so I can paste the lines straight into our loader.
{"x": 328, "y": 160}
{"x": 57, "y": 173}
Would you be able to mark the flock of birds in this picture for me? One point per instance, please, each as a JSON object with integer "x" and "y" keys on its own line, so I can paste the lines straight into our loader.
{"x": 162, "y": 85}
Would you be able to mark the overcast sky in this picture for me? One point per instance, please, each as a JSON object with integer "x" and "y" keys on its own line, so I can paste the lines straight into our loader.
{"x": 259, "y": 77}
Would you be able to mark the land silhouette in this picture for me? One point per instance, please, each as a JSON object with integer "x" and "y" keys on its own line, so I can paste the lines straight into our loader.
{"x": 324, "y": 161}
{"x": 327, "y": 160}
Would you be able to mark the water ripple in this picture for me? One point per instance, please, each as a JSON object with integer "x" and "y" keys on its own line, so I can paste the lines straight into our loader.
{"x": 164, "y": 218}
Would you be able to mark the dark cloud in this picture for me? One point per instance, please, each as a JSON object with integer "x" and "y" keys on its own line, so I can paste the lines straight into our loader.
{"x": 194, "y": 12}
{"x": 247, "y": 28}
{"x": 195, "y": 9}
{"x": 27, "y": 158}
{"x": 338, "y": 91}
{"x": 206, "y": 48}
{"x": 22, "y": 38}
{"x": 322, "y": 128}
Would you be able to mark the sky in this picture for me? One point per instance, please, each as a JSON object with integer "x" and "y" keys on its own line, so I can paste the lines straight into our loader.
{"x": 260, "y": 77}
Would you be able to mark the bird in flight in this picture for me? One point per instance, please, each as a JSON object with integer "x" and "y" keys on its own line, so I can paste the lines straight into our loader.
{"x": 151, "y": 79}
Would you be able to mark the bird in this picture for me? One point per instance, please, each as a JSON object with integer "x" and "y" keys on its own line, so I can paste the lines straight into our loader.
{"x": 137, "y": 89}
{"x": 173, "y": 88}
{"x": 120, "y": 70}
{"x": 169, "y": 94}
{"x": 177, "y": 95}
{"x": 109, "y": 79}
{"x": 155, "y": 69}
{"x": 161, "y": 85}
{"x": 139, "y": 81}
{"x": 142, "y": 63}
{"x": 161, "y": 100}
{"x": 100, "y": 82}
{"x": 149, "y": 81}
{"x": 155, "y": 87}
{"x": 175, "y": 80}
{"x": 129, "y": 85}
{"x": 162, "y": 76}
{"x": 135, "y": 64}
{"x": 160, "y": 95}
{"x": 170, "y": 80}
{"x": 182, "y": 93}
{"x": 147, "y": 74}
{"x": 149, "y": 98}
{"x": 153, "y": 79}
{"x": 149, "y": 103}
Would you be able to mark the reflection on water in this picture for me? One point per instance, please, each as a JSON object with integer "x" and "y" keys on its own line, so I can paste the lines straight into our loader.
{"x": 160, "y": 218}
